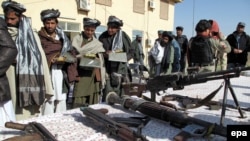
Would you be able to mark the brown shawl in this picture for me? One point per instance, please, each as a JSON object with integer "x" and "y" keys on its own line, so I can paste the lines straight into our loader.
{"x": 52, "y": 49}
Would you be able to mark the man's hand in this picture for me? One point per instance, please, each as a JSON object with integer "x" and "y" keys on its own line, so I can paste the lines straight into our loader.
{"x": 237, "y": 51}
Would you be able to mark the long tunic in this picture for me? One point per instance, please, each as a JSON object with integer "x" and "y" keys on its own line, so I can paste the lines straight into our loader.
{"x": 115, "y": 67}
{"x": 88, "y": 89}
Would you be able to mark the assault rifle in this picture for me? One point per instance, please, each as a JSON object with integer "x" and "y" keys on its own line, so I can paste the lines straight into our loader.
{"x": 178, "y": 80}
{"x": 33, "y": 132}
{"x": 114, "y": 127}
{"x": 176, "y": 118}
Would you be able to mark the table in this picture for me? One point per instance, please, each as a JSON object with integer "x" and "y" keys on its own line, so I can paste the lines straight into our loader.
{"x": 73, "y": 125}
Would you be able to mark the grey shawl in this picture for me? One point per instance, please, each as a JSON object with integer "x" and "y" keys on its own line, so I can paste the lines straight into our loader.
{"x": 117, "y": 42}
{"x": 66, "y": 42}
{"x": 29, "y": 69}
{"x": 95, "y": 47}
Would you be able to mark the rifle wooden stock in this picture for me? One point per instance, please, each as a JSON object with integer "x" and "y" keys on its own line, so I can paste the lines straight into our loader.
{"x": 33, "y": 130}
{"x": 164, "y": 113}
{"x": 29, "y": 137}
{"x": 115, "y": 128}
{"x": 17, "y": 126}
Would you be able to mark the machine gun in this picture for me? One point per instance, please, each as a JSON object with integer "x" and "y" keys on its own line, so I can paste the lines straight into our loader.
{"x": 177, "y": 81}
{"x": 114, "y": 127}
{"x": 33, "y": 131}
{"x": 164, "y": 113}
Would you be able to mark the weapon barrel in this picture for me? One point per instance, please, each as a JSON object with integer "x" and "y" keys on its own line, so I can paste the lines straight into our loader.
{"x": 155, "y": 110}
{"x": 115, "y": 128}
{"x": 236, "y": 71}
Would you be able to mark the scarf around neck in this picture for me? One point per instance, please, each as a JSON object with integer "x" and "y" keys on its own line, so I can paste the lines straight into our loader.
{"x": 29, "y": 69}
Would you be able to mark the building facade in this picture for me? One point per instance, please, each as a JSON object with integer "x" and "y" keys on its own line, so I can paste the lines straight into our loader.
{"x": 143, "y": 17}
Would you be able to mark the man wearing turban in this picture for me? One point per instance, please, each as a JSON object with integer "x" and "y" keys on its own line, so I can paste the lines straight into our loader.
{"x": 61, "y": 60}
{"x": 115, "y": 42}
{"x": 91, "y": 68}
{"x": 28, "y": 76}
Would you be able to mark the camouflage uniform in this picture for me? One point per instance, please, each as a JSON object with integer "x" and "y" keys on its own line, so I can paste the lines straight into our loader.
{"x": 216, "y": 46}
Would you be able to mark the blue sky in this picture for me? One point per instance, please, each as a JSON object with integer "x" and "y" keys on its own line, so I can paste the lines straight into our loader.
{"x": 226, "y": 12}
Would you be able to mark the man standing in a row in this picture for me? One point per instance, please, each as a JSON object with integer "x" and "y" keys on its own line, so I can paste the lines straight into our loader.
{"x": 56, "y": 45}
{"x": 240, "y": 44}
{"x": 183, "y": 42}
{"x": 91, "y": 68}
{"x": 27, "y": 75}
{"x": 117, "y": 45}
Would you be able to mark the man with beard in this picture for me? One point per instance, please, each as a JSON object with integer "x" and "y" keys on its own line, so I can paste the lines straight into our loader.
{"x": 91, "y": 68}
{"x": 116, "y": 43}
{"x": 28, "y": 79}
{"x": 163, "y": 54}
{"x": 61, "y": 61}
{"x": 8, "y": 52}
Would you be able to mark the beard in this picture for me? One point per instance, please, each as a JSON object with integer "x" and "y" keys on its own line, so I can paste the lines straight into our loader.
{"x": 11, "y": 25}
{"x": 163, "y": 44}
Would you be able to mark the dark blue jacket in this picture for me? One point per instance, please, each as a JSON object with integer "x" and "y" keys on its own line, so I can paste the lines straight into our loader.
{"x": 244, "y": 44}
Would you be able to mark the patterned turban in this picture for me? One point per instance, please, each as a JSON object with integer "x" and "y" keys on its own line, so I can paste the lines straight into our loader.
{"x": 49, "y": 13}
{"x": 113, "y": 20}
{"x": 14, "y": 5}
{"x": 91, "y": 22}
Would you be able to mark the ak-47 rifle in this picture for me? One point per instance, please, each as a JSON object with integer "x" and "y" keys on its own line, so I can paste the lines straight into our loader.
{"x": 176, "y": 118}
{"x": 178, "y": 80}
{"x": 33, "y": 132}
{"x": 114, "y": 127}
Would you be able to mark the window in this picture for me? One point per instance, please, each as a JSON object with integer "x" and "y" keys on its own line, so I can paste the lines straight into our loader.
{"x": 68, "y": 26}
{"x": 104, "y": 2}
{"x": 164, "y": 6}
{"x": 99, "y": 30}
{"x": 139, "y": 6}
{"x": 136, "y": 32}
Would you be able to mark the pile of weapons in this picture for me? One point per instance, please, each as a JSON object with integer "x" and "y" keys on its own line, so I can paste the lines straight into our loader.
{"x": 190, "y": 126}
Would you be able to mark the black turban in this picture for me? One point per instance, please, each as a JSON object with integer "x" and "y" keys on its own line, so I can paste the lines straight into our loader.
{"x": 114, "y": 21}
{"x": 167, "y": 34}
{"x": 49, "y": 13}
{"x": 14, "y": 5}
{"x": 91, "y": 22}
